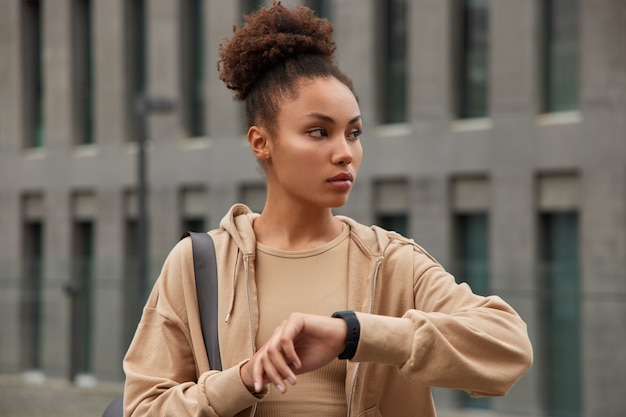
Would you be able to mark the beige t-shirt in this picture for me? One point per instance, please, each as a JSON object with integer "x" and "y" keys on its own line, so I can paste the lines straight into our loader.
{"x": 313, "y": 281}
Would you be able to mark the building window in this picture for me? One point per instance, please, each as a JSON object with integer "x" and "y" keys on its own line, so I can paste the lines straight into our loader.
{"x": 33, "y": 87}
{"x": 472, "y": 251}
{"x": 80, "y": 290}
{"x": 253, "y": 196}
{"x": 80, "y": 285}
{"x": 471, "y": 265}
{"x": 393, "y": 62}
{"x": 322, "y": 8}
{"x": 31, "y": 294}
{"x": 193, "y": 202}
{"x": 391, "y": 205}
{"x": 134, "y": 299}
{"x": 193, "y": 224}
{"x": 192, "y": 67}
{"x": 136, "y": 69}
{"x": 398, "y": 222}
{"x": 472, "y": 24}
{"x": 82, "y": 41}
{"x": 246, "y": 7}
{"x": 249, "y": 6}
{"x": 560, "y": 311}
{"x": 134, "y": 286}
{"x": 559, "y": 91}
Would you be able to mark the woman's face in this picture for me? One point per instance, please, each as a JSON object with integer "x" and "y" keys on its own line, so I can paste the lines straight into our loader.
{"x": 314, "y": 158}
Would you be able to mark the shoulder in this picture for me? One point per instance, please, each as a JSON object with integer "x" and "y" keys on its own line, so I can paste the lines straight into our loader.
{"x": 384, "y": 242}
{"x": 176, "y": 276}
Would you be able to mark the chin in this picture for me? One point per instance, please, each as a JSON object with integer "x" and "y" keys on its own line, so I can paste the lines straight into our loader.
{"x": 330, "y": 201}
{"x": 338, "y": 204}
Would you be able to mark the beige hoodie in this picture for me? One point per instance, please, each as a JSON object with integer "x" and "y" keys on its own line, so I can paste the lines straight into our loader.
{"x": 419, "y": 329}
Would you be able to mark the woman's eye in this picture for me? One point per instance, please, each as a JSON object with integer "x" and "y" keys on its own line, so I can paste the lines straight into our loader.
{"x": 318, "y": 133}
{"x": 355, "y": 134}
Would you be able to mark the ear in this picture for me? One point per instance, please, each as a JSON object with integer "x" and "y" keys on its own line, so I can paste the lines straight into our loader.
{"x": 258, "y": 138}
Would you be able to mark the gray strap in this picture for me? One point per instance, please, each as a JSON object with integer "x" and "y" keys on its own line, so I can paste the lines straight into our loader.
{"x": 205, "y": 271}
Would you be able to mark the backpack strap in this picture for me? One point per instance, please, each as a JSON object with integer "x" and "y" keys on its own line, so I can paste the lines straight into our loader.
{"x": 205, "y": 271}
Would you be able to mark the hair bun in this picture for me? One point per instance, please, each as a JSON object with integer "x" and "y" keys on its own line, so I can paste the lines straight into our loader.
{"x": 270, "y": 37}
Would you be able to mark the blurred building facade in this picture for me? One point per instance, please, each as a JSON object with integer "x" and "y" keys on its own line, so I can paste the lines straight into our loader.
{"x": 495, "y": 136}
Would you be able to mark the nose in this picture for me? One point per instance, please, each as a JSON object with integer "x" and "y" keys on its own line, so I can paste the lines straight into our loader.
{"x": 342, "y": 153}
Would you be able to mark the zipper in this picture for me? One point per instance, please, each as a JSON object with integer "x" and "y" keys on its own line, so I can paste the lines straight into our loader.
{"x": 369, "y": 311}
{"x": 246, "y": 263}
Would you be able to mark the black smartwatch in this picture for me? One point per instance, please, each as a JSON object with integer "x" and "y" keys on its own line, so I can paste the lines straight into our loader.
{"x": 354, "y": 332}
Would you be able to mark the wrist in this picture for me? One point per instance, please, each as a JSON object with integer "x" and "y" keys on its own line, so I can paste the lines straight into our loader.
{"x": 245, "y": 373}
{"x": 246, "y": 376}
{"x": 353, "y": 334}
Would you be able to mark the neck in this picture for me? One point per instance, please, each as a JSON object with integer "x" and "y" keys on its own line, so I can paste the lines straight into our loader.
{"x": 290, "y": 228}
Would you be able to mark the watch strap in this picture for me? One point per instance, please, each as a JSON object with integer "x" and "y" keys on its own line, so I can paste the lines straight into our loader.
{"x": 353, "y": 335}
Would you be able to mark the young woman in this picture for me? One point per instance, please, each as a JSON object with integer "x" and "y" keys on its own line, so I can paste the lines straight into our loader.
{"x": 302, "y": 290}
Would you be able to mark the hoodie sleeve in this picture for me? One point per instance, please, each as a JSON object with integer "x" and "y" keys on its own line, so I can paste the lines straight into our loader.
{"x": 164, "y": 361}
{"x": 452, "y": 338}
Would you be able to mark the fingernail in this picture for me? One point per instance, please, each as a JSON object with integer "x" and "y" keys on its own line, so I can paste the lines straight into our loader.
{"x": 291, "y": 380}
{"x": 257, "y": 387}
{"x": 281, "y": 388}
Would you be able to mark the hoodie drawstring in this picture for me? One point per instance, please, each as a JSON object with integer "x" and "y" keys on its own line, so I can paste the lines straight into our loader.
{"x": 231, "y": 305}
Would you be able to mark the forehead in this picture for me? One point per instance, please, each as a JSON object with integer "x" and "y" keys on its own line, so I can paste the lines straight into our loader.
{"x": 321, "y": 95}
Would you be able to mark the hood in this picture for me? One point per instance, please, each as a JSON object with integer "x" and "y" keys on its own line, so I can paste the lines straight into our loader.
{"x": 238, "y": 223}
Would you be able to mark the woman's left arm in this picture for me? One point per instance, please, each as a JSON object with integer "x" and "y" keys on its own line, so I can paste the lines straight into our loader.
{"x": 453, "y": 338}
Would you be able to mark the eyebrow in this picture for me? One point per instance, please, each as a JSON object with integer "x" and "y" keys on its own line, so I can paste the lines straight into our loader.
{"x": 329, "y": 119}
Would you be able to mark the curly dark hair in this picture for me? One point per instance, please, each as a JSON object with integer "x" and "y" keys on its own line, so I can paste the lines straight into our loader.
{"x": 276, "y": 48}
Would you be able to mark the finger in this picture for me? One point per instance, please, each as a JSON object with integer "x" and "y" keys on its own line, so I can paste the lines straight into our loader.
{"x": 291, "y": 356}
{"x": 284, "y": 354}
{"x": 258, "y": 374}
{"x": 288, "y": 332}
{"x": 276, "y": 356}
{"x": 270, "y": 373}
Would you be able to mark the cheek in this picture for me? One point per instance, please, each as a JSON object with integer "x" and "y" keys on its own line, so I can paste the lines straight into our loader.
{"x": 296, "y": 161}
{"x": 357, "y": 156}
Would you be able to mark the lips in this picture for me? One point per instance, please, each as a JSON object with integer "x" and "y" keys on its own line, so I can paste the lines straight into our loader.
{"x": 345, "y": 176}
{"x": 342, "y": 182}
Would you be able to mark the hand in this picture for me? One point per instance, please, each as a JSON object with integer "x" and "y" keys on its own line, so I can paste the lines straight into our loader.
{"x": 302, "y": 343}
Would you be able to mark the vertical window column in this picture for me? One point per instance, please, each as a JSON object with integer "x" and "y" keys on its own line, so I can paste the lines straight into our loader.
{"x": 135, "y": 56}
{"x": 32, "y": 281}
{"x": 134, "y": 299}
{"x": 192, "y": 67}
{"x": 559, "y": 91}
{"x": 246, "y": 7}
{"x": 81, "y": 285}
{"x": 472, "y": 250}
{"x": 33, "y": 88}
{"x": 393, "y": 65}
{"x": 470, "y": 197}
{"x": 559, "y": 281}
{"x": 472, "y": 56}
{"x": 82, "y": 45}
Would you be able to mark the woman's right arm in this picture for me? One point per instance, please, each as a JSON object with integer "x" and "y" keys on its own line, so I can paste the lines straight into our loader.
{"x": 161, "y": 363}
